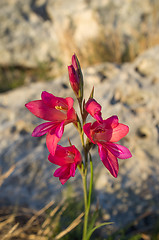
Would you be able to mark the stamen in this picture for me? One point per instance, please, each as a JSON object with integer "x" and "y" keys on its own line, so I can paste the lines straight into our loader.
{"x": 100, "y": 131}
{"x": 59, "y": 108}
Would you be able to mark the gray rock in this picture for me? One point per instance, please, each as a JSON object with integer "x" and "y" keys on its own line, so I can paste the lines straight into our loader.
{"x": 148, "y": 62}
{"x": 36, "y": 32}
{"x": 121, "y": 90}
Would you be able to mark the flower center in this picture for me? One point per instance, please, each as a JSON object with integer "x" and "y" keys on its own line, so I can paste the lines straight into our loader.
{"x": 99, "y": 130}
{"x": 59, "y": 107}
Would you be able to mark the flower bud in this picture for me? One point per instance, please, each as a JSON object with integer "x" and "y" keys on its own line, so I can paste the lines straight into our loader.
{"x": 76, "y": 66}
{"x": 94, "y": 109}
{"x": 74, "y": 80}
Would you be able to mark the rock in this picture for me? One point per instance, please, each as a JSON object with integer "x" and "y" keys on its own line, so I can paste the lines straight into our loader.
{"x": 38, "y": 32}
{"x": 147, "y": 63}
{"x": 135, "y": 102}
{"x": 144, "y": 132}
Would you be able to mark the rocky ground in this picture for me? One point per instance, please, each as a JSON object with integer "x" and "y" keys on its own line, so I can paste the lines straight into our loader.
{"x": 131, "y": 91}
{"x": 96, "y": 30}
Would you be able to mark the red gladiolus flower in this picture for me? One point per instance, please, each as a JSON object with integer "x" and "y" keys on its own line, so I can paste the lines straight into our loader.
{"x": 94, "y": 109}
{"x": 104, "y": 134}
{"x": 57, "y": 111}
{"x": 67, "y": 158}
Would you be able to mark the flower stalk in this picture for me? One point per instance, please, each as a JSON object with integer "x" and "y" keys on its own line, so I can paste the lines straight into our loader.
{"x": 58, "y": 112}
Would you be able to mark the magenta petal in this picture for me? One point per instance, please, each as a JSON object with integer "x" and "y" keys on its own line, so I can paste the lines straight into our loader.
{"x": 110, "y": 122}
{"x": 51, "y": 142}
{"x": 86, "y": 129}
{"x": 53, "y": 101}
{"x": 98, "y": 117}
{"x": 119, "y": 132}
{"x": 109, "y": 160}
{"x": 63, "y": 180}
{"x": 74, "y": 62}
{"x": 63, "y": 173}
{"x": 41, "y": 110}
{"x": 70, "y": 102}
{"x": 74, "y": 79}
{"x": 63, "y": 156}
{"x": 94, "y": 109}
{"x": 60, "y": 129}
{"x": 49, "y": 99}
{"x": 119, "y": 151}
{"x": 72, "y": 169}
{"x": 42, "y": 129}
{"x": 71, "y": 116}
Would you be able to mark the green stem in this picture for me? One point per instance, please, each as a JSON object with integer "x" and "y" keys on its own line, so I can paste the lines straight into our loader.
{"x": 91, "y": 182}
{"x": 83, "y": 171}
{"x": 87, "y": 197}
{"x": 84, "y": 178}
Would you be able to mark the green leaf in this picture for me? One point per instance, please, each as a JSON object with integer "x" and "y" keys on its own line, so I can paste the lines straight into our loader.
{"x": 92, "y": 222}
{"x": 92, "y": 93}
{"x": 100, "y": 225}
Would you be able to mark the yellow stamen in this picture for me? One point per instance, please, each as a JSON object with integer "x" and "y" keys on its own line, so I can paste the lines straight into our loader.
{"x": 100, "y": 131}
{"x": 58, "y": 107}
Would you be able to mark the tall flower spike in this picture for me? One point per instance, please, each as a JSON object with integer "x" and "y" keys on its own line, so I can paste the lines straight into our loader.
{"x": 94, "y": 109}
{"x": 57, "y": 112}
{"x": 67, "y": 158}
{"x": 104, "y": 135}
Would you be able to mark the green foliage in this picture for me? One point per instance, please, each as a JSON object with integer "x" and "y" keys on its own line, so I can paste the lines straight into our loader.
{"x": 15, "y": 76}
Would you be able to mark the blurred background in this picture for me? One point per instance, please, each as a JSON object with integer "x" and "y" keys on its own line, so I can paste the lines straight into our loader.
{"x": 117, "y": 43}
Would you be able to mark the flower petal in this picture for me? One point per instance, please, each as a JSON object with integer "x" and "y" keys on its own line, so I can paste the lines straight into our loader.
{"x": 70, "y": 102}
{"x": 87, "y": 131}
{"x": 53, "y": 101}
{"x": 98, "y": 117}
{"x": 60, "y": 129}
{"x": 63, "y": 173}
{"x": 110, "y": 122}
{"x": 118, "y": 150}
{"x": 74, "y": 79}
{"x": 119, "y": 132}
{"x": 42, "y": 129}
{"x": 41, "y": 110}
{"x": 71, "y": 116}
{"x": 51, "y": 142}
{"x": 73, "y": 169}
{"x": 109, "y": 160}
{"x": 94, "y": 109}
{"x": 62, "y": 156}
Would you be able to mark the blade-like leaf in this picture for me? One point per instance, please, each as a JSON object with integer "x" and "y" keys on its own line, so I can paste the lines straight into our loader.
{"x": 93, "y": 219}
{"x": 92, "y": 93}
{"x": 100, "y": 225}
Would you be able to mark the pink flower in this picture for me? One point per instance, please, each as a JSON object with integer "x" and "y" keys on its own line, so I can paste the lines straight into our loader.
{"x": 75, "y": 76}
{"x": 67, "y": 158}
{"x": 94, "y": 109}
{"x": 57, "y": 111}
{"x": 104, "y": 134}
{"x": 74, "y": 80}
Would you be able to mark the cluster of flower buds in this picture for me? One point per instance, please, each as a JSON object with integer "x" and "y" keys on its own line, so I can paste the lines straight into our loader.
{"x": 59, "y": 112}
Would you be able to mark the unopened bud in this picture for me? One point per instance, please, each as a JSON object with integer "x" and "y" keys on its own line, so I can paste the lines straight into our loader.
{"x": 74, "y": 80}
{"x": 77, "y": 67}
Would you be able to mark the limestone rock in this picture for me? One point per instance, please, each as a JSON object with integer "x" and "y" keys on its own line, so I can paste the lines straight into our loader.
{"x": 121, "y": 91}
{"x": 36, "y": 32}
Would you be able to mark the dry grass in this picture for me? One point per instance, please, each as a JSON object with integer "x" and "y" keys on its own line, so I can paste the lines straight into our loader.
{"x": 6, "y": 175}
{"x": 23, "y": 223}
